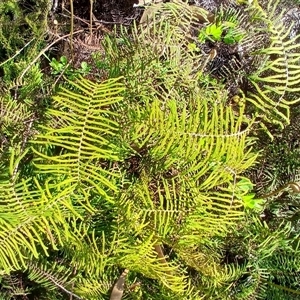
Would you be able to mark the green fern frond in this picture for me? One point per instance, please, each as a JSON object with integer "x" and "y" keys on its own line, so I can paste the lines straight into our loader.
{"x": 142, "y": 258}
{"x": 279, "y": 74}
{"x": 16, "y": 122}
{"x": 95, "y": 254}
{"x": 94, "y": 288}
{"x": 87, "y": 139}
{"x": 191, "y": 157}
{"x": 159, "y": 47}
{"x": 33, "y": 218}
{"x": 179, "y": 136}
{"x": 13, "y": 112}
{"x": 257, "y": 55}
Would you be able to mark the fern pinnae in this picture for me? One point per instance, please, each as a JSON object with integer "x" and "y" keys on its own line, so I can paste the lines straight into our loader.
{"x": 40, "y": 227}
{"x": 82, "y": 136}
{"x": 43, "y": 274}
{"x": 280, "y": 75}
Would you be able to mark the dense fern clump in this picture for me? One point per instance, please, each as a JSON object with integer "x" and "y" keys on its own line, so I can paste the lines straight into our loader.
{"x": 134, "y": 185}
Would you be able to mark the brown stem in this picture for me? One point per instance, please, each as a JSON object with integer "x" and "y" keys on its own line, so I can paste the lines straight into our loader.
{"x": 72, "y": 29}
{"x": 292, "y": 185}
{"x": 91, "y": 18}
{"x": 43, "y": 51}
{"x": 118, "y": 289}
{"x": 161, "y": 256}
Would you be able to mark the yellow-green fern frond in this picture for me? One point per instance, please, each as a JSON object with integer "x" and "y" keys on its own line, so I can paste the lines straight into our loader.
{"x": 52, "y": 277}
{"x": 86, "y": 141}
{"x": 189, "y": 157}
{"x": 276, "y": 81}
{"x": 16, "y": 119}
{"x": 13, "y": 112}
{"x": 33, "y": 220}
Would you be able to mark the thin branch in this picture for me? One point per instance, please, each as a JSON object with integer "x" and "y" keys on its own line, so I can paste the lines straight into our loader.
{"x": 72, "y": 29}
{"x": 51, "y": 278}
{"x": 17, "y": 53}
{"x": 91, "y": 18}
{"x": 294, "y": 186}
{"x": 43, "y": 52}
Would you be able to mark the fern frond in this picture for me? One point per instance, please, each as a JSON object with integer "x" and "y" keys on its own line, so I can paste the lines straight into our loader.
{"x": 86, "y": 140}
{"x": 33, "y": 218}
{"x": 13, "y": 112}
{"x": 279, "y": 74}
{"x": 141, "y": 257}
{"x": 167, "y": 34}
{"x": 94, "y": 288}
{"x": 192, "y": 155}
{"x": 52, "y": 277}
{"x": 189, "y": 153}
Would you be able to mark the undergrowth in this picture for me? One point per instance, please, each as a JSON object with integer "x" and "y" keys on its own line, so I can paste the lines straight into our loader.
{"x": 152, "y": 164}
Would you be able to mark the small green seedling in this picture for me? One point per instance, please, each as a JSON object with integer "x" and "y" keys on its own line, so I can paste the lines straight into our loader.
{"x": 63, "y": 67}
{"x": 244, "y": 188}
{"x": 192, "y": 47}
{"x": 214, "y": 31}
{"x": 211, "y": 32}
{"x": 85, "y": 68}
{"x": 225, "y": 32}
{"x": 58, "y": 66}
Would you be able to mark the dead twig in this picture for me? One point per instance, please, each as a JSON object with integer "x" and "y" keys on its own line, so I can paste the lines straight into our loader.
{"x": 99, "y": 25}
{"x": 91, "y": 18}
{"x": 17, "y": 53}
{"x": 72, "y": 29}
{"x": 43, "y": 52}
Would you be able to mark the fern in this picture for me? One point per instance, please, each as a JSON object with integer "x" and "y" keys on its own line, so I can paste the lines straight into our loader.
{"x": 32, "y": 219}
{"x": 47, "y": 276}
{"x": 196, "y": 140}
{"x": 86, "y": 116}
{"x": 186, "y": 155}
{"x": 261, "y": 59}
{"x": 140, "y": 172}
{"x": 277, "y": 77}
{"x": 190, "y": 146}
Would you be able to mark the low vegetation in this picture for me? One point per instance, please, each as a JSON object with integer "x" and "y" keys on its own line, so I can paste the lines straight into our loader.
{"x": 150, "y": 155}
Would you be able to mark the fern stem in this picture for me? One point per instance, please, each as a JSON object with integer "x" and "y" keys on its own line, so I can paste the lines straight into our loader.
{"x": 161, "y": 256}
{"x": 294, "y": 186}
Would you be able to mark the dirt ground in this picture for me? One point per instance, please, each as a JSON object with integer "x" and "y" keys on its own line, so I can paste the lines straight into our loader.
{"x": 94, "y": 18}
{"x": 105, "y": 11}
